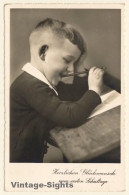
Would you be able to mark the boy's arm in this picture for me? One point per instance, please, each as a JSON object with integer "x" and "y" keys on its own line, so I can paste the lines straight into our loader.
{"x": 74, "y": 91}
{"x": 44, "y": 100}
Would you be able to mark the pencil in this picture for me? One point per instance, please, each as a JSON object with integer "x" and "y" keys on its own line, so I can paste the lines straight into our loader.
{"x": 78, "y": 73}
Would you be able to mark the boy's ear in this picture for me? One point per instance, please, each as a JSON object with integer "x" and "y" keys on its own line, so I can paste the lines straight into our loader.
{"x": 42, "y": 52}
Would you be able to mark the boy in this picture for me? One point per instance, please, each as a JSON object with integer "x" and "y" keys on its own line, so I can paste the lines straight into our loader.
{"x": 38, "y": 98}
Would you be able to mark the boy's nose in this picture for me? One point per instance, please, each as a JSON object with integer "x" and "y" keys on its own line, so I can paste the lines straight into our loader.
{"x": 70, "y": 68}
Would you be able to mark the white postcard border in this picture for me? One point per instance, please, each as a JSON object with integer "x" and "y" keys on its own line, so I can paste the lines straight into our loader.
{"x": 16, "y": 167}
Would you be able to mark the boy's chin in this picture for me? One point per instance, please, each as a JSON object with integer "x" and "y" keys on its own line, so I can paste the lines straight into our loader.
{"x": 56, "y": 81}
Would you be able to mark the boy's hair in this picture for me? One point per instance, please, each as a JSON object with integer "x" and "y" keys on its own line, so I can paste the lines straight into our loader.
{"x": 63, "y": 30}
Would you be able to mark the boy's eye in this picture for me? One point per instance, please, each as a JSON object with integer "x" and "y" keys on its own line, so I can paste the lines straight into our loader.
{"x": 66, "y": 60}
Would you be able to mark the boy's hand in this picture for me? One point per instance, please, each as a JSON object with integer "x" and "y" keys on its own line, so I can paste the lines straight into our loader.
{"x": 95, "y": 79}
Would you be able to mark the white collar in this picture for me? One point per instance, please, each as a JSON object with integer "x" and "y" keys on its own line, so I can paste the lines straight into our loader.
{"x": 37, "y": 74}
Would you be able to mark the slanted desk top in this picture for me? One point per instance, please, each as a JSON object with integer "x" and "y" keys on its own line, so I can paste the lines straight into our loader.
{"x": 98, "y": 135}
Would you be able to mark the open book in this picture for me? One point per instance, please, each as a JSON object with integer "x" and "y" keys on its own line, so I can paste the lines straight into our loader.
{"x": 110, "y": 100}
{"x": 96, "y": 136}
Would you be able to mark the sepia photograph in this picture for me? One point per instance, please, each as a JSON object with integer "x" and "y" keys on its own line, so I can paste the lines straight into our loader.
{"x": 64, "y": 97}
{"x": 65, "y": 73}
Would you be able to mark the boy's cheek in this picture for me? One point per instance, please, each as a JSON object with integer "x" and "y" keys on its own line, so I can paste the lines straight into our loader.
{"x": 59, "y": 69}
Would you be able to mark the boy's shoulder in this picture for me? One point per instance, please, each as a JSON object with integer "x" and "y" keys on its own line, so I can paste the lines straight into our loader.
{"x": 25, "y": 80}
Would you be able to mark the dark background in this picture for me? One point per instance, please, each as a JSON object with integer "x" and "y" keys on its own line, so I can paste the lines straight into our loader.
{"x": 100, "y": 27}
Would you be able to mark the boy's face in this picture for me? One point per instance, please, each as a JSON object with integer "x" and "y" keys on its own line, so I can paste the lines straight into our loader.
{"x": 60, "y": 58}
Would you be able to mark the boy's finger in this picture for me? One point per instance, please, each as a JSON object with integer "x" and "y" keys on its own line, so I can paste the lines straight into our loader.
{"x": 96, "y": 71}
{"x": 92, "y": 69}
{"x": 101, "y": 73}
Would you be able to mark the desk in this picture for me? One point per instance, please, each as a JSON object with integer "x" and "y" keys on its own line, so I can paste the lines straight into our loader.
{"x": 97, "y": 136}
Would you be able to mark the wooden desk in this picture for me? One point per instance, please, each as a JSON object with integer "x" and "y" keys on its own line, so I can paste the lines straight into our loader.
{"x": 97, "y": 136}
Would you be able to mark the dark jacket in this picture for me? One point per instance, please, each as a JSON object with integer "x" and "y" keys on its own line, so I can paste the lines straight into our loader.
{"x": 35, "y": 109}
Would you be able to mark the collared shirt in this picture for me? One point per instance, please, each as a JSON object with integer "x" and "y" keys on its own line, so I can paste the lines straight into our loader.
{"x": 37, "y": 74}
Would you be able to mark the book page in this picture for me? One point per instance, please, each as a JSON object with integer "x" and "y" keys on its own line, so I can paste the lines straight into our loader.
{"x": 110, "y": 100}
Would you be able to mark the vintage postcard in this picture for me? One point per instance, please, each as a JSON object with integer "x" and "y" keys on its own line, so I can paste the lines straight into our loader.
{"x": 64, "y": 97}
